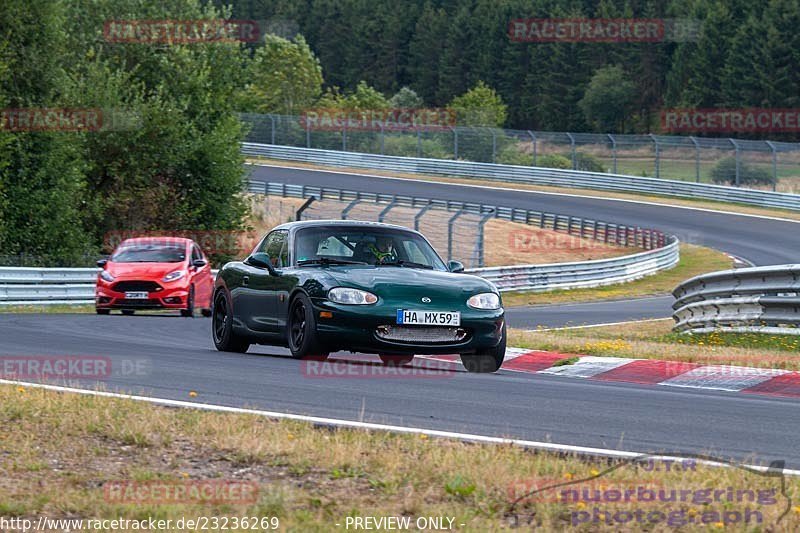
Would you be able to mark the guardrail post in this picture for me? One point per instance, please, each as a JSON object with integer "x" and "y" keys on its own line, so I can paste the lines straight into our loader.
{"x": 450, "y": 224}
{"x": 481, "y": 229}
{"x": 419, "y": 215}
{"x": 774, "y": 165}
{"x": 533, "y": 140}
{"x": 306, "y": 205}
{"x": 696, "y": 159}
{"x": 613, "y": 151}
{"x": 455, "y": 142}
{"x": 383, "y": 213}
{"x": 350, "y": 207}
{"x": 572, "y": 149}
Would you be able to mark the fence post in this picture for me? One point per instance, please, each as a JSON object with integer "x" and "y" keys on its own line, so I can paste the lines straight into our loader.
{"x": 455, "y": 142}
{"x": 383, "y": 213}
{"x": 494, "y": 146}
{"x": 350, "y": 206}
{"x": 419, "y": 142}
{"x": 774, "y": 165}
{"x": 299, "y": 212}
{"x": 308, "y": 135}
{"x": 696, "y": 158}
{"x": 613, "y": 151}
{"x": 572, "y": 148}
{"x": 344, "y": 136}
{"x": 382, "y": 140}
{"x": 738, "y": 161}
{"x": 419, "y": 214}
{"x": 450, "y": 224}
{"x": 533, "y": 140}
{"x": 658, "y": 154}
{"x": 272, "y": 121}
{"x": 481, "y": 224}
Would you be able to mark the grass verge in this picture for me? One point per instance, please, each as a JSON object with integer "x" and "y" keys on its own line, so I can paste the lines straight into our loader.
{"x": 62, "y": 451}
{"x": 695, "y": 260}
{"x": 655, "y": 340}
{"x": 666, "y": 200}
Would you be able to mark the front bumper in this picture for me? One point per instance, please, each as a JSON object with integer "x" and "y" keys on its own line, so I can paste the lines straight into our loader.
{"x": 166, "y": 298}
{"x": 355, "y": 328}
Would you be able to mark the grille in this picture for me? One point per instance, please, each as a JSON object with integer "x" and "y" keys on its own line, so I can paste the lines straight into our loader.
{"x": 138, "y": 303}
{"x": 137, "y": 286}
{"x": 421, "y": 334}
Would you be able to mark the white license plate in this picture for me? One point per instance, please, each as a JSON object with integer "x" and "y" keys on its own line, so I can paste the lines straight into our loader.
{"x": 136, "y": 296}
{"x": 428, "y": 318}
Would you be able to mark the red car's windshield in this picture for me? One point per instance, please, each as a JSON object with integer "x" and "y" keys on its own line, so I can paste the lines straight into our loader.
{"x": 149, "y": 253}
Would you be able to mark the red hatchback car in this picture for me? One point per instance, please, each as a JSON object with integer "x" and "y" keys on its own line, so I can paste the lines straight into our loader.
{"x": 155, "y": 273}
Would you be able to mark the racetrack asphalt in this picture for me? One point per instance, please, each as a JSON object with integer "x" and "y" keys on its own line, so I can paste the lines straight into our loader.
{"x": 175, "y": 355}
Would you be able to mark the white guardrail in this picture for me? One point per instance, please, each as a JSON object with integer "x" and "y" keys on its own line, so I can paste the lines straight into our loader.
{"x": 759, "y": 299}
{"x": 527, "y": 175}
{"x": 40, "y": 286}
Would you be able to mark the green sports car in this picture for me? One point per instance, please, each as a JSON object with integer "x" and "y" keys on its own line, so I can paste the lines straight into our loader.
{"x": 323, "y": 286}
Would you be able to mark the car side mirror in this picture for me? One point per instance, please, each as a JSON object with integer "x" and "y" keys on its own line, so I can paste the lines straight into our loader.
{"x": 261, "y": 260}
{"x": 455, "y": 266}
{"x": 102, "y": 263}
{"x": 199, "y": 263}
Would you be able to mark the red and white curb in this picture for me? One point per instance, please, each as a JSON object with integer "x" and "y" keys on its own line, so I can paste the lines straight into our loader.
{"x": 773, "y": 382}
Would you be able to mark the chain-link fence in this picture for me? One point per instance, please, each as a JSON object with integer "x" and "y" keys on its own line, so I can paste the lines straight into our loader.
{"x": 764, "y": 165}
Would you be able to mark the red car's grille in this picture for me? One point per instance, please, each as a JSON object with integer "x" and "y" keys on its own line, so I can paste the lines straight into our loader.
{"x": 136, "y": 286}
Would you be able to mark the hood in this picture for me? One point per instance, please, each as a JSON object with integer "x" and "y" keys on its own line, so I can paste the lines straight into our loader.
{"x": 147, "y": 271}
{"x": 400, "y": 283}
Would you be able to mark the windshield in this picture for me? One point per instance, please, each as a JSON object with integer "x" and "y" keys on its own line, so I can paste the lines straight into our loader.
{"x": 149, "y": 253}
{"x": 374, "y": 246}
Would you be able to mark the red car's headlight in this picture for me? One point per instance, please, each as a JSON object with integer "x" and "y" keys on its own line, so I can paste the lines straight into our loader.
{"x": 106, "y": 276}
{"x": 174, "y": 275}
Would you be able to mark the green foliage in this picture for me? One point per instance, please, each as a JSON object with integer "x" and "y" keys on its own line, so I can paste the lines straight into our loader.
{"x": 553, "y": 161}
{"x": 286, "y": 77}
{"x": 724, "y": 172}
{"x": 480, "y": 106}
{"x": 608, "y": 99}
{"x": 363, "y": 98}
{"x": 406, "y": 98}
{"x": 588, "y": 163}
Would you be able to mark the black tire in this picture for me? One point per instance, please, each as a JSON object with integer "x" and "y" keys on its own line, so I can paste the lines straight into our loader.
{"x": 128, "y": 312}
{"x": 488, "y": 361}
{"x": 103, "y": 311}
{"x": 396, "y": 360}
{"x": 301, "y": 330}
{"x": 189, "y": 311}
{"x": 225, "y": 340}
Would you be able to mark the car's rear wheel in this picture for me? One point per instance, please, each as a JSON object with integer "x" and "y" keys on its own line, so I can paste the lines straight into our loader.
{"x": 301, "y": 330}
{"x": 128, "y": 312}
{"x": 225, "y": 339}
{"x": 487, "y": 361}
{"x": 103, "y": 311}
{"x": 189, "y": 311}
{"x": 396, "y": 360}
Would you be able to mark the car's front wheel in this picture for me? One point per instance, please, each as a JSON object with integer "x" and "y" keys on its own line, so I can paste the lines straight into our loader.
{"x": 486, "y": 361}
{"x": 302, "y": 330}
{"x": 103, "y": 311}
{"x": 189, "y": 311}
{"x": 225, "y": 339}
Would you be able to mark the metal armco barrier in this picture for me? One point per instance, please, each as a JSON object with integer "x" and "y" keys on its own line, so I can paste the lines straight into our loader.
{"x": 762, "y": 299}
{"x": 527, "y": 175}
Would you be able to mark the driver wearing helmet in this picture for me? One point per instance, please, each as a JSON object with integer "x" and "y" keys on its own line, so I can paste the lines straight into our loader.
{"x": 383, "y": 250}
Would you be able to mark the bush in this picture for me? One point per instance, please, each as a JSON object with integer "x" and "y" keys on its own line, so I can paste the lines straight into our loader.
{"x": 512, "y": 155}
{"x": 588, "y": 163}
{"x": 553, "y": 161}
{"x": 724, "y": 172}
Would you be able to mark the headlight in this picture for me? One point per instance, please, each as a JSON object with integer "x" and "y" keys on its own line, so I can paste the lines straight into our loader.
{"x": 175, "y": 274}
{"x": 106, "y": 276}
{"x": 345, "y": 295}
{"x": 485, "y": 300}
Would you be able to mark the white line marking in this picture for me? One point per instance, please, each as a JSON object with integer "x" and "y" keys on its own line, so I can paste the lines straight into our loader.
{"x": 587, "y": 366}
{"x": 562, "y": 448}
{"x": 569, "y": 195}
{"x": 600, "y": 325}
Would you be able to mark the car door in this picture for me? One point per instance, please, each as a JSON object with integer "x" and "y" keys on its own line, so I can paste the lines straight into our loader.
{"x": 202, "y": 279}
{"x": 259, "y": 296}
